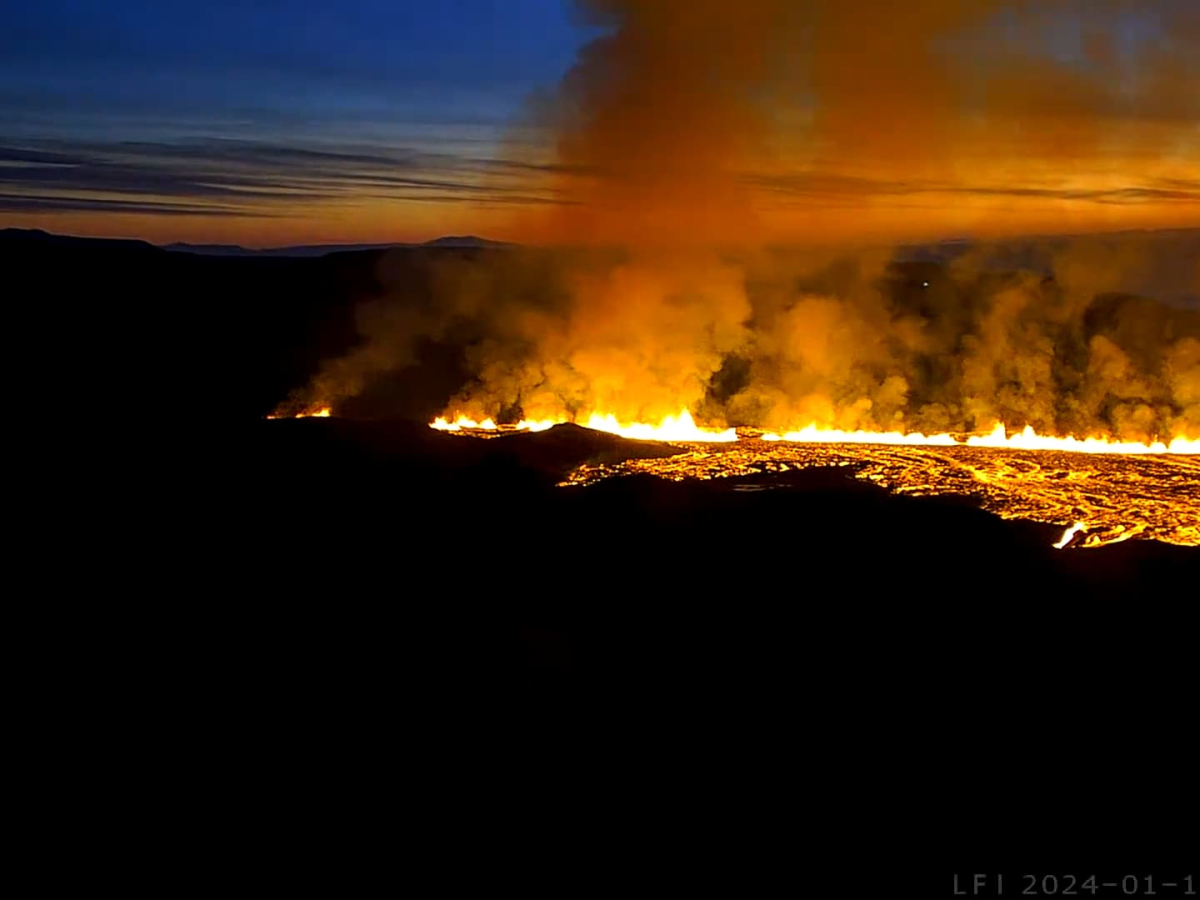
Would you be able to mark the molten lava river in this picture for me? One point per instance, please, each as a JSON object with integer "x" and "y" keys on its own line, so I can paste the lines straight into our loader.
{"x": 1100, "y": 493}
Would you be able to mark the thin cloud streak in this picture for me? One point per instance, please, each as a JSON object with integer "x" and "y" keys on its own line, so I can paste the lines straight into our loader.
{"x": 42, "y": 203}
{"x": 251, "y": 179}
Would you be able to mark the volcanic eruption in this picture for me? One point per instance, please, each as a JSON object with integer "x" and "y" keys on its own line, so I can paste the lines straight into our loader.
{"x": 723, "y": 252}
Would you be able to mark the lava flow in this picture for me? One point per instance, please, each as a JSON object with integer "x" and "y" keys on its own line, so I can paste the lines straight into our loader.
{"x": 441, "y": 423}
{"x": 1100, "y": 498}
{"x": 323, "y": 413}
{"x": 672, "y": 428}
{"x": 684, "y": 428}
{"x": 1028, "y": 439}
{"x": 1100, "y": 491}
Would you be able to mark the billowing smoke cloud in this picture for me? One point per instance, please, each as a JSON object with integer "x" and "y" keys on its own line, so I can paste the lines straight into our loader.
{"x": 693, "y": 139}
{"x": 802, "y": 120}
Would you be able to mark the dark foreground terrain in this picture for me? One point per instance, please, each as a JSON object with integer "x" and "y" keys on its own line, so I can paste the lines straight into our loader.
{"x": 382, "y": 510}
{"x": 326, "y": 589}
{"x": 825, "y": 627}
{"x": 481, "y": 524}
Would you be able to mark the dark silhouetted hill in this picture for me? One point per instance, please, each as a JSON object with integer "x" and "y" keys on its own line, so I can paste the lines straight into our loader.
{"x": 308, "y": 251}
{"x": 467, "y": 241}
{"x": 15, "y": 239}
{"x": 126, "y": 325}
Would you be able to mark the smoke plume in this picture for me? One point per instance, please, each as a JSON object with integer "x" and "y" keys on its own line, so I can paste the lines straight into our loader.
{"x": 721, "y": 172}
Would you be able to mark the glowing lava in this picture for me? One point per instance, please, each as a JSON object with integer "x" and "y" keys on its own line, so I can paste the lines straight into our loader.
{"x": 1030, "y": 440}
{"x": 1108, "y": 496}
{"x": 672, "y": 428}
{"x": 999, "y": 438}
{"x": 814, "y": 435}
{"x": 537, "y": 424}
{"x": 441, "y": 424}
{"x": 322, "y": 413}
{"x": 1068, "y": 534}
{"x": 1111, "y": 490}
{"x": 683, "y": 428}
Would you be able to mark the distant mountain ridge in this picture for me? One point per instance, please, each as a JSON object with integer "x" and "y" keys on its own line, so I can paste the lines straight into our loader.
{"x": 1022, "y": 250}
{"x": 1167, "y": 270}
{"x": 317, "y": 250}
{"x": 37, "y": 236}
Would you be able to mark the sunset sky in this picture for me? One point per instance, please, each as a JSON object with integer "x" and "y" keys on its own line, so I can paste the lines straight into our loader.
{"x": 265, "y": 122}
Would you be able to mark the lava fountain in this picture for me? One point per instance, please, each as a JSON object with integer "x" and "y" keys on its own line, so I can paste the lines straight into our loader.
{"x": 683, "y": 428}
{"x": 323, "y": 412}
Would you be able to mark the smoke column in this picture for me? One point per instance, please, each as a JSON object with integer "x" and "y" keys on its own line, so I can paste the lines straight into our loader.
{"x": 734, "y": 180}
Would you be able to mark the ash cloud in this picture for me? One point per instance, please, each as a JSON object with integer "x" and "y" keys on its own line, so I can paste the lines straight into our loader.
{"x": 691, "y": 140}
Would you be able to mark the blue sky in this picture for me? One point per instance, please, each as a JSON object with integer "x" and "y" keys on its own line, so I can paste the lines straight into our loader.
{"x": 76, "y": 66}
{"x": 267, "y": 122}
{"x": 101, "y": 94}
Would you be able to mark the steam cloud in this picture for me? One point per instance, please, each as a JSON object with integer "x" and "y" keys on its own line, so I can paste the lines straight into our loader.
{"x": 693, "y": 140}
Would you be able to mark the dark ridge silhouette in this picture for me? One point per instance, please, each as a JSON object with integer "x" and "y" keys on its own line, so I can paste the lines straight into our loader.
{"x": 469, "y": 240}
{"x": 308, "y": 251}
{"x": 13, "y": 239}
